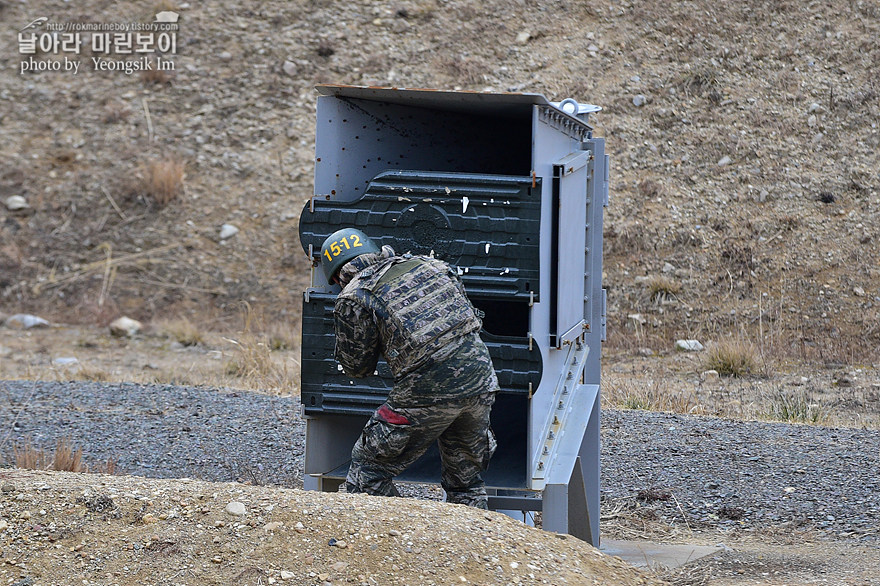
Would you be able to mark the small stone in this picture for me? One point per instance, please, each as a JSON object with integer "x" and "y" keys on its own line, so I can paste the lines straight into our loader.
{"x": 125, "y": 327}
{"x": 523, "y": 38}
{"x": 299, "y": 527}
{"x": 639, "y": 100}
{"x": 635, "y": 320}
{"x": 290, "y": 68}
{"x": 858, "y": 292}
{"x": 3, "y": 525}
{"x": 8, "y": 487}
{"x": 724, "y": 161}
{"x": 688, "y": 345}
{"x": 149, "y": 519}
{"x": 814, "y": 107}
{"x": 236, "y": 509}
{"x": 25, "y": 515}
{"x": 225, "y": 56}
{"x": 65, "y": 361}
{"x": 812, "y": 121}
{"x": 394, "y": 533}
{"x": 16, "y": 202}
{"x": 341, "y": 544}
{"x": 25, "y": 321}
{"x": 323, "y": 577}
{"x": 228, "y": 231}
{"x": 285, "y": 575}
{"x": 339, "y": 566}
{"x": 273, "y": 526}
{"x": 645, "y": 352}
{"x": 668, "y": 268}
{"x": 709, "y": 376}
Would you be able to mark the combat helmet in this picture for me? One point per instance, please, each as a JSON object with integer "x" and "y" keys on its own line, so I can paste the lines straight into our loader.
{"x": 342, "y": 246}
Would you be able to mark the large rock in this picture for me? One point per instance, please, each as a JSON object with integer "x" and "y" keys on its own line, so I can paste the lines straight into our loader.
{"x": 125, "y": 327}
{"x": 688, "y": 345}
{"x": 25, "y": 321}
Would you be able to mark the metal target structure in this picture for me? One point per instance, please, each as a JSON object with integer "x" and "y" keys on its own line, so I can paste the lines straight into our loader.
{"x": 510, "y": 189}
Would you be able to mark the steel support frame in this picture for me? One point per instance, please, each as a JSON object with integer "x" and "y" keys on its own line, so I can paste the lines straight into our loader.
{"x": 571, "y": 495}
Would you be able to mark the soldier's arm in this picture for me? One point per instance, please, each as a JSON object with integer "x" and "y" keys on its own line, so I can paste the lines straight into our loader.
{"x": 357, "y": 338}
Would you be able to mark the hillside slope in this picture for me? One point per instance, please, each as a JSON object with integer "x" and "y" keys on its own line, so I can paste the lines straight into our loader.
{"x": 748, "y": 173}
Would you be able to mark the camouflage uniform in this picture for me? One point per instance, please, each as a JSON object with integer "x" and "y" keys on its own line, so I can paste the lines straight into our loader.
{"x": 414, "y": 312}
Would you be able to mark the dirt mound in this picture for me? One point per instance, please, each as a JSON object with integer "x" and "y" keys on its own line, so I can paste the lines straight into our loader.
{"x": 64, "y": 528}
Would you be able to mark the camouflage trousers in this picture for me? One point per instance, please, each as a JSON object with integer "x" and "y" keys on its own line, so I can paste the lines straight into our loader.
{"x": 395, "y": 437}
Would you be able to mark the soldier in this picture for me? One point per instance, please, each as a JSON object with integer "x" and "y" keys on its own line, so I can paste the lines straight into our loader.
{"x": 414, "y": 311}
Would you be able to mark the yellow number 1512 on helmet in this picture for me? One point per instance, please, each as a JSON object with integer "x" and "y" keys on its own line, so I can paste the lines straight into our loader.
{"x": 342, "y": 246}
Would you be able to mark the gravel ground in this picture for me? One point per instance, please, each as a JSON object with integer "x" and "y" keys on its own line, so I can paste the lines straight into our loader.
{"x": 692, "y": 471}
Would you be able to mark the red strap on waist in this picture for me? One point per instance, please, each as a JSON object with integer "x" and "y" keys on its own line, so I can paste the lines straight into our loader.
{"x": 389, "y": 416}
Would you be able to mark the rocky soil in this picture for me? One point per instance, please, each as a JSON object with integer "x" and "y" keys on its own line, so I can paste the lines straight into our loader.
{"x": 798, "y": 489}
{"x": 61, "y": 528}
{"x": 744, "y": 142}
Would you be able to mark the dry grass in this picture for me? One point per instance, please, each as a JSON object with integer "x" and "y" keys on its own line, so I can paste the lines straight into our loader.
{"x": 91, "y": 373}
{"x": 736, "y": 358}
{"x": 183, "y": 331}
{"x": 65, "y": 459}
{"x": 795, "y": 407}
{"x": 254, "y": 361}
{"x": 164, "y": 180}
{"x": 662, "y": 288}
{"x": 624, "y": 393}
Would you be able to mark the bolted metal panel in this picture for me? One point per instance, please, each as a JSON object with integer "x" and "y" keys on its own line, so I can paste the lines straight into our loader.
{"x": 325, "y": 389}
{"x": 487, "y": 224}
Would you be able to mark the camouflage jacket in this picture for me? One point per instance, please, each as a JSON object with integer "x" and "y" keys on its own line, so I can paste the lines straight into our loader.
{"x": 412, "y": 310}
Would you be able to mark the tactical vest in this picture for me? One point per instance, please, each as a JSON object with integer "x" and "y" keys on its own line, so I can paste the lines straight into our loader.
{"x": 419, "y": 308}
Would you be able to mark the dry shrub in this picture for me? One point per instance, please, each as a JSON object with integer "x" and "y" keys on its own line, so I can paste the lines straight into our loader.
{"x": 661, "y": 288}
{"x": 183, "y": 331}
{"x": 653, "y": 396}
{"x": 29, "y": 458}
{"x": 98, "y": 375}
{"x": 735, "y": 358}
{"x": 795, "y": 407}
{"x": 254, "y": 361}
{"x": 65, "y": 459}
{"x": 163, "y": 179}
